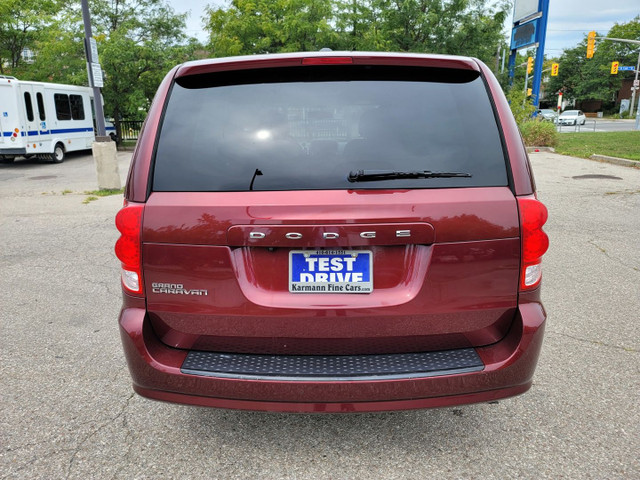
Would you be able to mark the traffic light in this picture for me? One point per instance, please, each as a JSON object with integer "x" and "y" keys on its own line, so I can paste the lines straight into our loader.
{"x": 529, "y": 92}
{"x": 591, "y": 44}
{"x": 554, "y": 69}
{"x": 614, "y": 68}
{"x": 529, "y": 65}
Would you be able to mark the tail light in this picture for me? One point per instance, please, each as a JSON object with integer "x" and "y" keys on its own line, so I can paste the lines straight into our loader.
{"x": 129, "y": 246}
{"x": 533, "y": 215}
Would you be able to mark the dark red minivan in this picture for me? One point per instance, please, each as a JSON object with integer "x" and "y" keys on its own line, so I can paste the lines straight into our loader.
{"x": 331, "y": 232}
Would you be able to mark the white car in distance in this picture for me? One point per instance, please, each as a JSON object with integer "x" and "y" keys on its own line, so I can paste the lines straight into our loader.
{"x": 572, "y": 117}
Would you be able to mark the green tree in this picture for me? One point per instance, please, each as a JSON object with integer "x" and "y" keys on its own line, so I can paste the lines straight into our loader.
{"x": 463, "y": 27}
{"x": 138, "y": 42}
{"x": 358, "y": 26}
{"x": 263, "y": 26}
{"x": 457, "y": 27}
{"x": 59, "y": 50}
{"x": 22, "y": 24}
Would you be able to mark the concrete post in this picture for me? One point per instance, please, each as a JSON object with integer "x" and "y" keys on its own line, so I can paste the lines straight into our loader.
{"x": 106, "y": 158}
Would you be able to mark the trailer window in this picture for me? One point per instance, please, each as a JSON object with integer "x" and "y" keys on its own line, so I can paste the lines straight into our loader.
{"x": 63, "y": 109}
{"x": 77, "y": 107}
{"x": 41, "y": 111}
{"x": 27, "y": 103}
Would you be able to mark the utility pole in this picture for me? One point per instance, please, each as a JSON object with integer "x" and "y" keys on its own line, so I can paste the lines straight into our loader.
{"x": 634, "y": 89}
{"x": 104, "y": 150}
{"x": 92, "y": 62}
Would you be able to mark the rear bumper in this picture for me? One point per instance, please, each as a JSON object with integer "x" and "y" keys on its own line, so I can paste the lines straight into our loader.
{"x": 508, "y": 370}
{"x": 13, "y": 151}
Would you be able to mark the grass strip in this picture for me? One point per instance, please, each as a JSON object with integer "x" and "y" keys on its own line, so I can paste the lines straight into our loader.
{"x": 613, "y": 144}
{"x": 105, "y": 192}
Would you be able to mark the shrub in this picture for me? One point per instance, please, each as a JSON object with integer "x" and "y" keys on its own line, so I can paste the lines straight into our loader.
{"x": 521, "y": 107}
{"x": 538, "y": 133}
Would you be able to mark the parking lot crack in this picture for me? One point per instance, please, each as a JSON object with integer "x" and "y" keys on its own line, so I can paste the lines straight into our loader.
{"x": 617, "y": 260}
{"x": 128, "y": 441}
{"x": 595, "y": 342}
{"x": 104, "y": 425}
{"x": 39, "y": 457}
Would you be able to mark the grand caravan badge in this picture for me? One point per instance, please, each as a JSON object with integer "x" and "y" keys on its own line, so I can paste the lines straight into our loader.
{"x": 176, "y": 289}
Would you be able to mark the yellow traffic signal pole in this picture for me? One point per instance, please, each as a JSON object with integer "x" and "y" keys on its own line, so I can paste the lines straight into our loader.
{"x": 526, "y": 81}
{"x": 635, "y": 87}
{"x": 527, "y": 64}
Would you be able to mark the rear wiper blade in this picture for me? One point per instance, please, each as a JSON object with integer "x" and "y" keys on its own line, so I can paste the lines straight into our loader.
{"x": 374, "y": 175}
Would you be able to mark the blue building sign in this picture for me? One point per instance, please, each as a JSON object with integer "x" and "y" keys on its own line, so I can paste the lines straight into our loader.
{"x": 524, "y": 35}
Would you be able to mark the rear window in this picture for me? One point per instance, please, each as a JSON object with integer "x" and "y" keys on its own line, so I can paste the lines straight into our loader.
{"x": 309, "y": 127}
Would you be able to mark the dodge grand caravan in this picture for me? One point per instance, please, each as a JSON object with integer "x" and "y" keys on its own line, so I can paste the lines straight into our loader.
{"x": 331, "y": 232}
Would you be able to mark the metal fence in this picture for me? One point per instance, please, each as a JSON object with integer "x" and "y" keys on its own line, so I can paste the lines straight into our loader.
{"x": 588, "y": 126}
{"x": 130, "y": 129}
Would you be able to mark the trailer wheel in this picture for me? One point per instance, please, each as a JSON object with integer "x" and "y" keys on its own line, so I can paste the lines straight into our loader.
{"x": 58, "y": 154}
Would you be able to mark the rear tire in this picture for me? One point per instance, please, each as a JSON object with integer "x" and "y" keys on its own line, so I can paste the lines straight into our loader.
{"x": 58, "y": 154}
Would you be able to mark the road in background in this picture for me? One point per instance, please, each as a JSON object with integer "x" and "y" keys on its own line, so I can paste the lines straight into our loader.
{"x": 600, "y": 125}
{"x": 68, "y": 410}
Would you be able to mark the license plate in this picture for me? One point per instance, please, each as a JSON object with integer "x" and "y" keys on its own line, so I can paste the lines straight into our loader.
{"x": 331, "y": 271}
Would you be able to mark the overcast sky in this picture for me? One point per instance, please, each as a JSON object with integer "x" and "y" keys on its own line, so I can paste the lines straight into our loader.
{"x": 569, "y": 20}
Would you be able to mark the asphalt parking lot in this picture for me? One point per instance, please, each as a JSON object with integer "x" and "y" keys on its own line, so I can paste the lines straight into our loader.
{"x": 68, "y": 411}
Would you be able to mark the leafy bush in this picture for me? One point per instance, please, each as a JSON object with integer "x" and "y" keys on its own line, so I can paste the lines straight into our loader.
{"x": 521, "y": 106}
{"x": 538, "y": 133}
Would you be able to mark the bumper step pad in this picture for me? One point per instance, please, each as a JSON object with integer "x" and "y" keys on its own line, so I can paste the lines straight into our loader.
{"x": 328, "y": 368}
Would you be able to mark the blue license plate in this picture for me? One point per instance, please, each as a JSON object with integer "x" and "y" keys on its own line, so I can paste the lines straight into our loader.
{"x": 331, "y": 271}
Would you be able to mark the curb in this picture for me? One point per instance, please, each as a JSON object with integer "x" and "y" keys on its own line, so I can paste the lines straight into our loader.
{"x": 615, "y": 160}
{"x": 540, "y": 149}
{"x": 598, "y": 158}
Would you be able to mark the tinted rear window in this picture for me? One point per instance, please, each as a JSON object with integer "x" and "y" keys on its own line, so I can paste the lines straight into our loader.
{"x": 307, "y": 128}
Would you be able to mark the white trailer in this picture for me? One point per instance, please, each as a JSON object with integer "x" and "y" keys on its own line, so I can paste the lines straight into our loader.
{"x": 45, "y": 119}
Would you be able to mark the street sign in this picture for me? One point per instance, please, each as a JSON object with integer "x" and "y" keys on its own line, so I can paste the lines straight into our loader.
{"x": 96, "y": 70}
{"x": 636, "y": 83}
{"x": 94, "y": 50}
{"x": 626, "y": 69}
